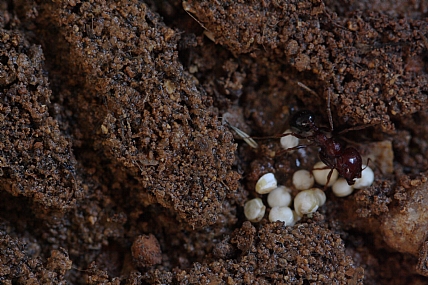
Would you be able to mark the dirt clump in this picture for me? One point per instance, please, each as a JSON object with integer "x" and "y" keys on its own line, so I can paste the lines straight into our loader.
{"x": 264, "y": 253}
{"x": 144, "y": 112}
{"x": 35, "y": 157}
{"x": 371, "y": 81}
{"x": 146, "y": 251}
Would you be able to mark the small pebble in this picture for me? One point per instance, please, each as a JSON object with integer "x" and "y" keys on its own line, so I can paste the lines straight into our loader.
{"x": 341, "y": 188}
{"x": 321, "y": 174}
{"x": 366, "y": 180}
{"x": 266, "y": 183}
{"x": 146, "y": 251}
{"x": 303, "y": 179}
{"x": 254, "y": 210}
{"x": 283, "y": 214}
{"x": 279, "y": 197}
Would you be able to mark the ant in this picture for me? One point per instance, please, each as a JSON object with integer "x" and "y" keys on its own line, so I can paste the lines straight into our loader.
{"x": 332, "y": 151}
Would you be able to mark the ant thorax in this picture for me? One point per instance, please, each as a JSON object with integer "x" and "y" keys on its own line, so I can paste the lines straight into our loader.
{"x": 332, "y": 147}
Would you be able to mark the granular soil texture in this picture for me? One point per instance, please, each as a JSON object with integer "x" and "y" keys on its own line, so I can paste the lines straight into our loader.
{"x": 117, "y": 166}
{"x": 35, "y": 158}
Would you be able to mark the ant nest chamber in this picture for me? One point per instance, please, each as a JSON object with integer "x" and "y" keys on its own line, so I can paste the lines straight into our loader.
{"x": 340, "y": 168}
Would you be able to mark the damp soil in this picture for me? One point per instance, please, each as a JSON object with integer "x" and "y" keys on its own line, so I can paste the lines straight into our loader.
{"x": 117, "y": 165}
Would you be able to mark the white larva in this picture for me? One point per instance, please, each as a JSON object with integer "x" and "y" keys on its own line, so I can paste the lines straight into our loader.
{"x": 321, "y": 174}
{"x": 283, "y": 214}
{"x": 366, "y": 180}
{"x": 296, "y": 218}
{"x": 279, "y": 197}
{"x": 306, "y": 202}
{"x": 303, "y": 179}
{"x": 341, "y": 188}
{"x": 254, "y": 210}
{"x": 289, "y": 141}
{"x": 266, "y": 183}
{"x": 320, "y": 196}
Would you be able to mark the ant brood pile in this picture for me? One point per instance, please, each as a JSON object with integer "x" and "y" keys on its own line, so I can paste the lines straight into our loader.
{"x": 336, "y": 159}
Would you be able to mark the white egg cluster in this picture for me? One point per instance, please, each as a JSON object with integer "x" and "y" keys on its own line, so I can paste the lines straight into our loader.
{"x": 308, "y": 200}
{"x": 279, "y": 199}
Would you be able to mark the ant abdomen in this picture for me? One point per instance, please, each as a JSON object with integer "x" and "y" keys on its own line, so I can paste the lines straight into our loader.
{"x": 350, "y": 165}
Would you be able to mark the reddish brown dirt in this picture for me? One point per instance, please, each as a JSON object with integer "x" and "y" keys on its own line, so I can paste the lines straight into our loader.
{"x": 116, "y": 166}
{"x": 146, "y": 251}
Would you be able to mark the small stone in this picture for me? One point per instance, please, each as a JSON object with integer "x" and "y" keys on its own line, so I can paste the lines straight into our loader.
{"x": 146, "y": 251}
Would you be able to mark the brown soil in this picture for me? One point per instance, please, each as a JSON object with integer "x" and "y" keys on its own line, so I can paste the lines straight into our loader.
{"x": 117, "y": 167}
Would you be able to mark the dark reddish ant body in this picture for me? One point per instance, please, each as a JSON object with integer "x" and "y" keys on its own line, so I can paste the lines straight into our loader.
{"x": 333, "y": 152}
{"x": 346, "y": 160}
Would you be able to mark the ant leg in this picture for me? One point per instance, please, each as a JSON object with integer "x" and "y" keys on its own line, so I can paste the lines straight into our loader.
{"x": 284, "y": 135}
{"x": 367, "y": 164}
{"x": 356, "y": 128}
{"x": 293, "y": 148}
{"x": 282, "y": 151}
{"x": 307, "y": 88}
{"x": 328, "y": 179}
{"x": 330, "y": 118}
{"x": 376, "y": 164}
{"x": 328, "y": 176}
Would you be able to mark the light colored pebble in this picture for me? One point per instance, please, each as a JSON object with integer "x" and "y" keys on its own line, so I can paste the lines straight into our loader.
{"x": 283, "y": 214}
{"x": 341, "y": 188}
{"x": 321, "y": 174}
{"x": 266, "y": 183}
{"x": 289, "y": 141}
{"x": 303, "y": 179}
{"x": 306, "y": 202}
{"x": 254, "y": 210}
{"x": 279, "y": 197}
{"x": 320, "y": 196}
{"x": 366, "y": 180}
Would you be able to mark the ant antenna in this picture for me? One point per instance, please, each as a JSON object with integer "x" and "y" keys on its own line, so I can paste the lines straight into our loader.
{"x": 367, "y": 164}
{"x": 330, "y": 118}
{"x": 307, "y": 88}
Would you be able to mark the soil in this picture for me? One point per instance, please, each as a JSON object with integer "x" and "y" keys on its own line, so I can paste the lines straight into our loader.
{"x": 117, "y": 165}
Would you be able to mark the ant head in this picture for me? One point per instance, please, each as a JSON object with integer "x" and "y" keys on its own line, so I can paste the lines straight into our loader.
{"x": 303, "y": 121}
